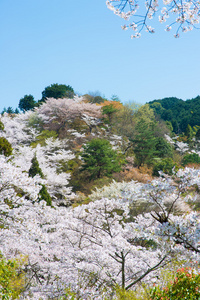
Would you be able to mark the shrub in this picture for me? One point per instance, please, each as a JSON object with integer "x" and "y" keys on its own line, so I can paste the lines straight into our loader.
{"x": 185, "y": 286}
{"x": 166, "y": 165}
{"x": 12, "y": 278}
{"x": 192, "y": 158}
{"x": 5, "y": 147}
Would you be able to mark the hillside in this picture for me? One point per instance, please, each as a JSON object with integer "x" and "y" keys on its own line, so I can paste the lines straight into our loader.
{"x": 180, "y": 113}
{"x": 86, "y": 212}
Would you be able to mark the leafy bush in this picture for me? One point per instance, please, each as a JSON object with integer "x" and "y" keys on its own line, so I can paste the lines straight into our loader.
{"x": 41, "y": 138}
{"x": 191, "y": 158}
{"x": 166, "y": 165}
{"x": 12, "y": 279}
{"x": 185, "y": 286}
{"x": 5, "y": 147}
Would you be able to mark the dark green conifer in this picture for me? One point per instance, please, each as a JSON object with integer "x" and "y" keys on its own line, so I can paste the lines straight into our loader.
{"x": 44, "y": 195}
{"x": 34, "y": 170}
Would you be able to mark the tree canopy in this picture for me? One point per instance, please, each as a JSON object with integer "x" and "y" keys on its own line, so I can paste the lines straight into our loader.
{"x": 180, "y": 113}
{"x": 99, "y": 158}
{"x": 26, "y": 103}
{"x": 58, "y": 91}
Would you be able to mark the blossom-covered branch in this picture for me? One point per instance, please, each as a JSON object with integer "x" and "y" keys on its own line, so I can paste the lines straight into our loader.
{"x": 183, "y": 15}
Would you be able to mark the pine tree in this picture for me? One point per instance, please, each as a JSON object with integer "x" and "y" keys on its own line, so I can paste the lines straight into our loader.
{"x": 144, "y": 142}
{"x": 99, "y": 159}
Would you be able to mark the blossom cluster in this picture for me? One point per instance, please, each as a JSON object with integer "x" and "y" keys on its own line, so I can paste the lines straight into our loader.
{"x": 184, "y": 14}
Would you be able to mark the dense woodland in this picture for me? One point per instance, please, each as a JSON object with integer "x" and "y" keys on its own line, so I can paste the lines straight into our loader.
{"x": 180, "y": 113}
{"x": 99, "y": 199}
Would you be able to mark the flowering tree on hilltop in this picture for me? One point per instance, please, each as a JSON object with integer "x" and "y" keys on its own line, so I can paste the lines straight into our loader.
{"x": 184, "y": 14}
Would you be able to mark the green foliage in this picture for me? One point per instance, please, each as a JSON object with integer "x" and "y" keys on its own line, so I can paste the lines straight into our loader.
{"x": 5, "y": 147}
{"x": 166, "y": 165}
{"x": 122, "y": 294}
{"x": 12, "y": 278}
{"x": 144, "y": 143}
{"x": 1, "y": 126}
{"x": 192, "y": 158}
{"x": 109, "y": 110}
{"x": 98, "y": 99}
{"x": 189, "y": 132}
{"x": 27, "y": 103}
{"x": 115, "y": 98}
{"x": 69, "y": 295}
{"x": 57, "y": 91}
{"x": 197, "y": 134}
{"x": 185, "y": 286}
{"x": 44, "y": 195}
{"x": 162, "y": 148}
{"x": 10, "y": 110}
{"x": 35, "y": 168}
{"x": 45, "y": 134}
{"x": 180, "y": 113}
{"x": 99, "y": 159}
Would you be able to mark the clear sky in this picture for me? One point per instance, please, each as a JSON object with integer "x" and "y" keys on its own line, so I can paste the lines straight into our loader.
{"x": 81, "y": 43}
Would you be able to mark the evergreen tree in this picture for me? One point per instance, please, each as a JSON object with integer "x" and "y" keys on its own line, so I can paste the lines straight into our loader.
{"x": 99, "y": 158}
{"x": 57, "y": 91}
{"x": 44, "y": 195}
{"x": 109, "y": 110}
{"x": 163, "y": 148}
{"x": 144, "y": 142}
{"x": 27, "y": 103}
{"x": 10, "y": 110}
{"x": 34, "y": 170}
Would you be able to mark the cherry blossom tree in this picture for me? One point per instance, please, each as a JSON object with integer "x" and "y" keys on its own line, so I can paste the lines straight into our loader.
{"x": 93, "y": 247}
{"x": 63, "y": 111}
{"x": 183, "y": 15}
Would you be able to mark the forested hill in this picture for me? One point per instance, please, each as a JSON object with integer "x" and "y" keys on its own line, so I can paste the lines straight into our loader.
{"x": 179, "y": 112}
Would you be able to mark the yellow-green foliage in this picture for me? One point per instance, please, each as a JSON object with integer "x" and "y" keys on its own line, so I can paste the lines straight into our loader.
{"x": 45, "y": 134}
{"x": 5, "y": 147}
{"x": 122, "y": 294}
{"x": 1, "y": 126}
{"x": 12, "y": 278}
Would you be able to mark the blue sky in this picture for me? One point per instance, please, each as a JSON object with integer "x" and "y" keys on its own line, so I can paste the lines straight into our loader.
{"x": 81, "y": 43}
